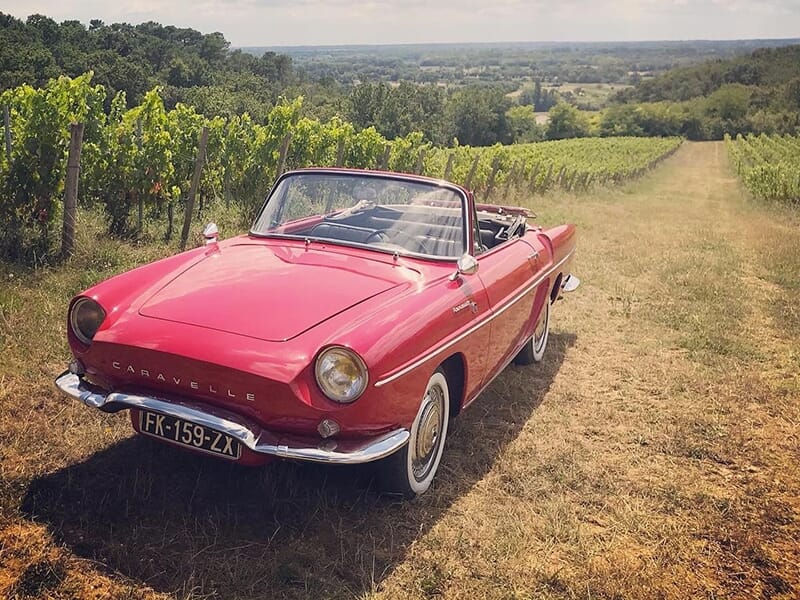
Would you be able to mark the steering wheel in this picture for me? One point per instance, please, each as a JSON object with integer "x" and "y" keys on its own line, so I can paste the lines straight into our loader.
{"x": 395, "y": 237}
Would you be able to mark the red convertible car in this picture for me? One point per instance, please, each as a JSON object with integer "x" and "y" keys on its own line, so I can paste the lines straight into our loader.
{"x": 361, "y": 313}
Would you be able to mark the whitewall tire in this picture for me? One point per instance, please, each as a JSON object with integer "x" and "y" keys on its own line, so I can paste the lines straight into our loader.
{"x": 533, "y": 350}
{"x": 410, "y": 471}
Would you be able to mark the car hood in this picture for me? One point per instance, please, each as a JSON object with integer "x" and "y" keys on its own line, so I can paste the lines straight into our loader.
{"x": 270, "y": 291}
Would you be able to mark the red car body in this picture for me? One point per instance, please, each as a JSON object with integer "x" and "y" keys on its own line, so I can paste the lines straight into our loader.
{"x": 226, "y": 336}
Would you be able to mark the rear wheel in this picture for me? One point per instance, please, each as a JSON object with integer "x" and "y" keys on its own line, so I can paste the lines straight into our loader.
{"x": 410, "y": 471}
{"x": 533, "y": 350}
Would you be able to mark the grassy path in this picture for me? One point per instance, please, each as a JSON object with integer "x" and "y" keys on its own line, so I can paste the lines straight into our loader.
{"x": 654, "y": 454}
{"x": 663, "y": 459}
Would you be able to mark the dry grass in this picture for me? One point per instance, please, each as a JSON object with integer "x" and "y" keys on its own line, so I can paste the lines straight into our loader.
{"x": 654, "y": 455}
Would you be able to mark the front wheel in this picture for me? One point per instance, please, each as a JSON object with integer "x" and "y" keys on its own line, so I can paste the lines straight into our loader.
{"x": 410, "y": 471}
{"x": 533, "y": 350}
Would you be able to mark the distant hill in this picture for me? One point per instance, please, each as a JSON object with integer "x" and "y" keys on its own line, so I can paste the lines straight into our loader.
{"x": 765, "y": 68}
{"x": 477, "y": 94}
{"x": 756, "y": 93}
{"x": 509, "y": 62}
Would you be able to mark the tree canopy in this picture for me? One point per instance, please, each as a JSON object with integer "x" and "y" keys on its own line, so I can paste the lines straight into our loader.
{"x": 189, "y": 65}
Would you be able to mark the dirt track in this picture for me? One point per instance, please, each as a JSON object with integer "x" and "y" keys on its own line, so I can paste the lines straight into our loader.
{"x": 661, "y": 459}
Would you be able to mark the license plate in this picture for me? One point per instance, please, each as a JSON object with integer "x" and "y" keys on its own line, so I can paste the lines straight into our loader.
{"x": 191, "y": 435}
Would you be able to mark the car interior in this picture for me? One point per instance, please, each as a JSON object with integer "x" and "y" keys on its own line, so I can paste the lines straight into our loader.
{"x": 413, "y": 229}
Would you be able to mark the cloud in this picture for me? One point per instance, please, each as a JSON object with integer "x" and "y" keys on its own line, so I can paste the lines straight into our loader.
{"x": 291, "y": 22}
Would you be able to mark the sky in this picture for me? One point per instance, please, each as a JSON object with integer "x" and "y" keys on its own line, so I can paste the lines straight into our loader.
{"x": 314, "y": 22}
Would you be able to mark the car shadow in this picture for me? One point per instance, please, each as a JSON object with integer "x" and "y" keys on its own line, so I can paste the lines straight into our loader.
{"x": 196, "y": 526}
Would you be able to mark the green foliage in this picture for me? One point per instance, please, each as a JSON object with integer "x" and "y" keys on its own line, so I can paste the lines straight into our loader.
{"x": 766, "y": 67}
{"x": 541, "y": 99}
{"x": 396, "y": 111}
{"x": 729, "y": 102}
{"x": 522, "y": 122}
{"x": 459, "y": 65}
{"x": 647, "y": 119}
{"x": 137, "y": 163}
{"x": 198, "y": 68}
{"x": 566, "y": 121}
{"x": 33, "y": 178}
{"x": 566, "y": 164}
{"x": 757, "y": 93}
{"x": 768, "y": 165}
{"x": 478, "y": 116}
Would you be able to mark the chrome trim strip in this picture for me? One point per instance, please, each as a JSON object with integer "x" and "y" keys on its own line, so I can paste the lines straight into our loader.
{"x": 261, "y": 441}
{"x": 475, "y": 327}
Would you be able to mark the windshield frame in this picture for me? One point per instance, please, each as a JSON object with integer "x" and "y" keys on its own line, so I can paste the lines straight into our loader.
{"x": 357, "y": 173}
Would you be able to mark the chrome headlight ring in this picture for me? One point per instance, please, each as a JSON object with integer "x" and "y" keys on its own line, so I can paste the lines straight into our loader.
{"x": 341, "y": 374}
{"x": 85, "y": 318}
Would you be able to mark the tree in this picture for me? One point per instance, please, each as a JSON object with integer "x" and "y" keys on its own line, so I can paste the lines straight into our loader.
{"x": 792, "y": 93}
{"x": 541, "y": 99}
{"x": 620, "y": 120}
{"x": 365, "y": 103}
{"x": 477, "y": 116}
{"x": 566, "y": 121}
{"x": 398, "y": 111}
{"x": 213, "y": 47}
{"x": 522, "y": 122}
{"x": 730, "y": 102}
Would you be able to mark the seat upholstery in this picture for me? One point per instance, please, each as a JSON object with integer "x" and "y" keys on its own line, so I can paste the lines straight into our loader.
{"x": 487, "y": 238}
{"x": 339, "y": 231}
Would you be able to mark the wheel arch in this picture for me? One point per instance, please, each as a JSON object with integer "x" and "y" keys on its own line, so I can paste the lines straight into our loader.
{"x": 556, "y": 291}
{"x": 455, "y": 372}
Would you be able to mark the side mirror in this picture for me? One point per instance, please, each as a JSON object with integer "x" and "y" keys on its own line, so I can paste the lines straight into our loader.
{"x": 211, "y": 233}
{"x": 466, "y": 265}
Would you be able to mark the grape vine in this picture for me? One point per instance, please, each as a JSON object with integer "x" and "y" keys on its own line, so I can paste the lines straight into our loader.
{"x": 769, "y": 165}
{"x": 137, "y": 162}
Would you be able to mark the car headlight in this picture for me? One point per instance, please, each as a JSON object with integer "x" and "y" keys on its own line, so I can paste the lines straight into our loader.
{"x": 85, "y": 319}
{"x": 341, "y": 374}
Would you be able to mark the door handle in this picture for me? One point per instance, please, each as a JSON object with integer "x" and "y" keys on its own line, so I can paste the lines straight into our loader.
{"x": 533, "y": 255}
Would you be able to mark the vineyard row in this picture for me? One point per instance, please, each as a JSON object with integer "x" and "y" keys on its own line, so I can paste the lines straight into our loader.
{"x": 769, "y": 165}
{"x": 145, "y": 156}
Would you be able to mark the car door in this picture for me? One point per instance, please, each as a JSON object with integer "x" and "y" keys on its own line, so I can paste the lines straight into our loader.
{"x": 507, "y": 271}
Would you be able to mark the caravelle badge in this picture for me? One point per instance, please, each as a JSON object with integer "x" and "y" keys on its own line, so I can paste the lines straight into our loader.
{"x": 181, "y": 381}
{"x": 472, "y": 305}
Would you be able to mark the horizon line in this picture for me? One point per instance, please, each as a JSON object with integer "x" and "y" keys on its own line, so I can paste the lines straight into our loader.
{"x": 518, "y": 42}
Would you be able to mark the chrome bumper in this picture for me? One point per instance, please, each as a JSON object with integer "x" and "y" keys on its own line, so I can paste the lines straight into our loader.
{"x": 570, "y": 283}
{"x": 251, "y": 435}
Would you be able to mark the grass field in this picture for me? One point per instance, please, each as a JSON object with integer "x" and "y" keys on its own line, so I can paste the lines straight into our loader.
{"x": 595, "y": 95}
{"x": 654, "y": 454}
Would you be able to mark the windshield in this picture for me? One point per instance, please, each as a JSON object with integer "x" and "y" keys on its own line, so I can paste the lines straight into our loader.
{"x": 357, "y": 209}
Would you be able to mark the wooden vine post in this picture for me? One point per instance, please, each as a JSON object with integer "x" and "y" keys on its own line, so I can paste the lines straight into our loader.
{"x": 471, "y": 174}
{"x": 198, "y": 167}
{"x": 532, "y": 178}
{"x": 283, "y": 154}
{"x": 140, "y": 197}
{"x": 420, "y": 166}
{"x": 511, "y": 179}
{"x": 340, "y": 153}
{"x": 71, "y": 189}
{"x": 493, "y": 175}
{"x": 384, "y": 163}
{"x": 448, "y": 169}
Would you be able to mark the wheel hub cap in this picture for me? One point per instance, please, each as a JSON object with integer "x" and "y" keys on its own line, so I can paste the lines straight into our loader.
{"x": 428, "y": 429}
